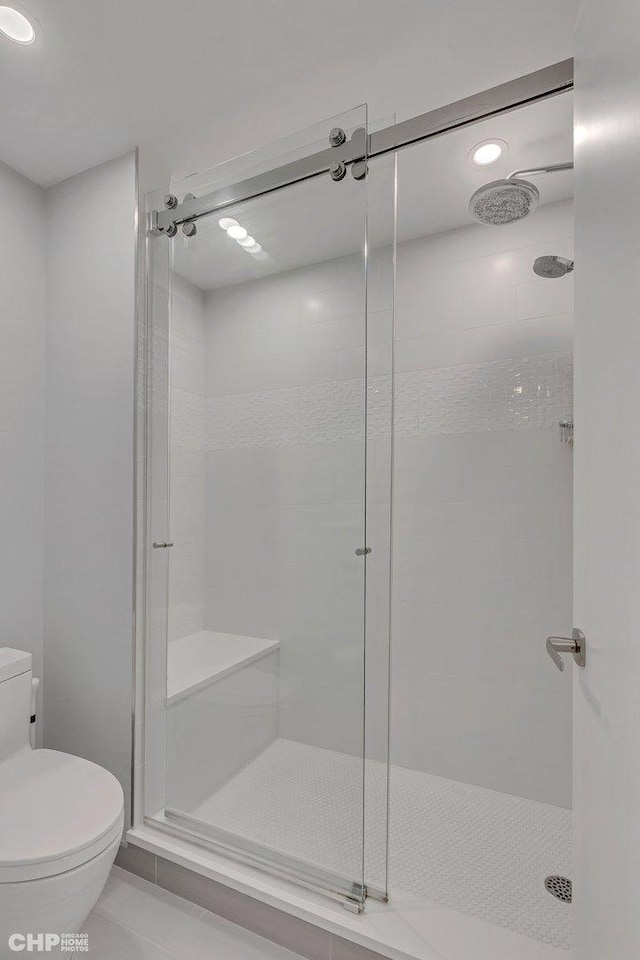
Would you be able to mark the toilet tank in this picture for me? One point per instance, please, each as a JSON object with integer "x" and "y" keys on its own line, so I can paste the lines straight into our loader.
{"x": 15, "y": 701}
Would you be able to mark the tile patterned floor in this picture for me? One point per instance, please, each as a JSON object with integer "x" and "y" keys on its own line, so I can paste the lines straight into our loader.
{"x": 475, "y": 850}
{"x": 134, "y": 920}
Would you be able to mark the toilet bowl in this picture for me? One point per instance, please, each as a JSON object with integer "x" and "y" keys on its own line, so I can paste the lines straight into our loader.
{"x": 61, "y": 820}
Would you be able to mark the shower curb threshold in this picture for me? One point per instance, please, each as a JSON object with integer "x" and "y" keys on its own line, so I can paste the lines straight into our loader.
{"x": 406, "y": 928}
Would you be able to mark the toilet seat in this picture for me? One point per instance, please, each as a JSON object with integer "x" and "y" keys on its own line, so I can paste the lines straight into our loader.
{"x": 57, "y": 812}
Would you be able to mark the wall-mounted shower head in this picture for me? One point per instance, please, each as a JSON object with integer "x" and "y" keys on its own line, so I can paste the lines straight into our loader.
{"x": 552, "y": 267}
{"x": 503, "y": 201}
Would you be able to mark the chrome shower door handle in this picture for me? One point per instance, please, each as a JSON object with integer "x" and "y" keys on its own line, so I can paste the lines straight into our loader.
{"x": 576, "y": 644}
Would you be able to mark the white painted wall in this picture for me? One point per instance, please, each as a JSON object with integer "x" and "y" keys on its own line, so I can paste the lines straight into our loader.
{"x": 89, "y": 465}
{"x": 607, "y": 527}
{"x": 22, "y": 325}
{"x": 482, "y": 495}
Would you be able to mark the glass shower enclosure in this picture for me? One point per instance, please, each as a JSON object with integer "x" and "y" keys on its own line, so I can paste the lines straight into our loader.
{"x": 268, "y": 472}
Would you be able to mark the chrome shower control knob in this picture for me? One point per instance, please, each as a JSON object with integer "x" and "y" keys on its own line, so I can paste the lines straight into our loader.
{"x": 576, "y": 645}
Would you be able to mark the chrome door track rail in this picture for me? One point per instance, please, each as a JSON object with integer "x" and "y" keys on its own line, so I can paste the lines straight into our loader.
{"x": 512, "y": 95}
{"x": 342, "y": 155}
{"x": 526, "y": 90}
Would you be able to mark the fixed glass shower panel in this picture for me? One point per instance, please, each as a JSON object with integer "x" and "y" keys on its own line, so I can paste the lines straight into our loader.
{"x": 270, "y": 449}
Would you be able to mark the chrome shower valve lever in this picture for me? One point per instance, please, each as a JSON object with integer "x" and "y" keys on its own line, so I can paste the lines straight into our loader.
{"x": 576, "y": 644}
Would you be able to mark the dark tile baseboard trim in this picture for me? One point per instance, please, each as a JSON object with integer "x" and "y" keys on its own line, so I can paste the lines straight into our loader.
{"x": 138, "y": 861}
{"x": 290, "y": 932}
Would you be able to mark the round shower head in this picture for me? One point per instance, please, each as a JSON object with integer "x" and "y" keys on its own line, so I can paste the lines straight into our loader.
{"x": 503, "y": 201}
{"x": 552, "y": 267}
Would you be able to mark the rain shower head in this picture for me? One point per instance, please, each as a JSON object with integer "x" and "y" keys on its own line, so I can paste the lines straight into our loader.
{"x": 503, "y": 201}
{"x": 552, "y": 267}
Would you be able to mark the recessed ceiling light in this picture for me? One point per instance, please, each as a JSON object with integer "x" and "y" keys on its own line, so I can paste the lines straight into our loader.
{"x": 254, "y": 248}
{"x": 236, "y": 232}
{"x": 486, "y": 152}
{"x": 227, "y": 222}
{"x": 247, "y": 242}
{"x": 15, "y": 26}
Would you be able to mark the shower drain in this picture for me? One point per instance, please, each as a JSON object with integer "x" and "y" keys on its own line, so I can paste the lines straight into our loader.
{"x": 560, "y": 887}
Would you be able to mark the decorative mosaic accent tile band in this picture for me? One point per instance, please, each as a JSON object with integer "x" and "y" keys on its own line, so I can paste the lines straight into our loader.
{"x": 263, "y": 419}
{"x": 514, "y": 394}
{"x": 501, "y": 395}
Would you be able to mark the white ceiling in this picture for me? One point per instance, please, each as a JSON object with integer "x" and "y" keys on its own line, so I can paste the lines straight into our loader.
{"x": 320, "y": 220}
{"x": 196, "y": 81}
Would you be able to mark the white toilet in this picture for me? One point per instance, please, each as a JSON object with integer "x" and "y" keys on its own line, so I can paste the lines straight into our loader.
{"x": 61, "y": 820}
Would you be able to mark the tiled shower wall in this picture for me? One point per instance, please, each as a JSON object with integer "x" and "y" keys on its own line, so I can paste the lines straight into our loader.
{"x": 483, "y": 504}
{"x": 187, "y": 570}
{"x": 285, "y": 483}
{"x": 482, "y": 548}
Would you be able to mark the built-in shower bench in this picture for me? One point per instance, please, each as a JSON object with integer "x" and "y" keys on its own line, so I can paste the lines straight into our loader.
{"x": 222, "y": 699}
{"x": 202, "y": 658}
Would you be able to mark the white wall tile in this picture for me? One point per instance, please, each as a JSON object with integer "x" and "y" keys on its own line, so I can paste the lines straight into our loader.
{"x": 187, "y": 310}
{"x": 523, "y": 338}
{"x": 424, "y": 353}
{"x": 439, "y": 483}
{"x": 187, "y": 365}
{"x": 522, "y": 483}
{"x": 543, "y": 298}
{"x": 333, "y": 304}
{"x": 350, "y": 364}
{"x": 188, "y": 459}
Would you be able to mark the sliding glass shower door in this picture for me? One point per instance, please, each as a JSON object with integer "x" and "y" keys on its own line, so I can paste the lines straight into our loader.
{"x": 269, "y": 426}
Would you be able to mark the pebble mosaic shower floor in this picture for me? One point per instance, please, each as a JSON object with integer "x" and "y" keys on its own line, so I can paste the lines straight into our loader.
{"x": 475, "y": 850}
